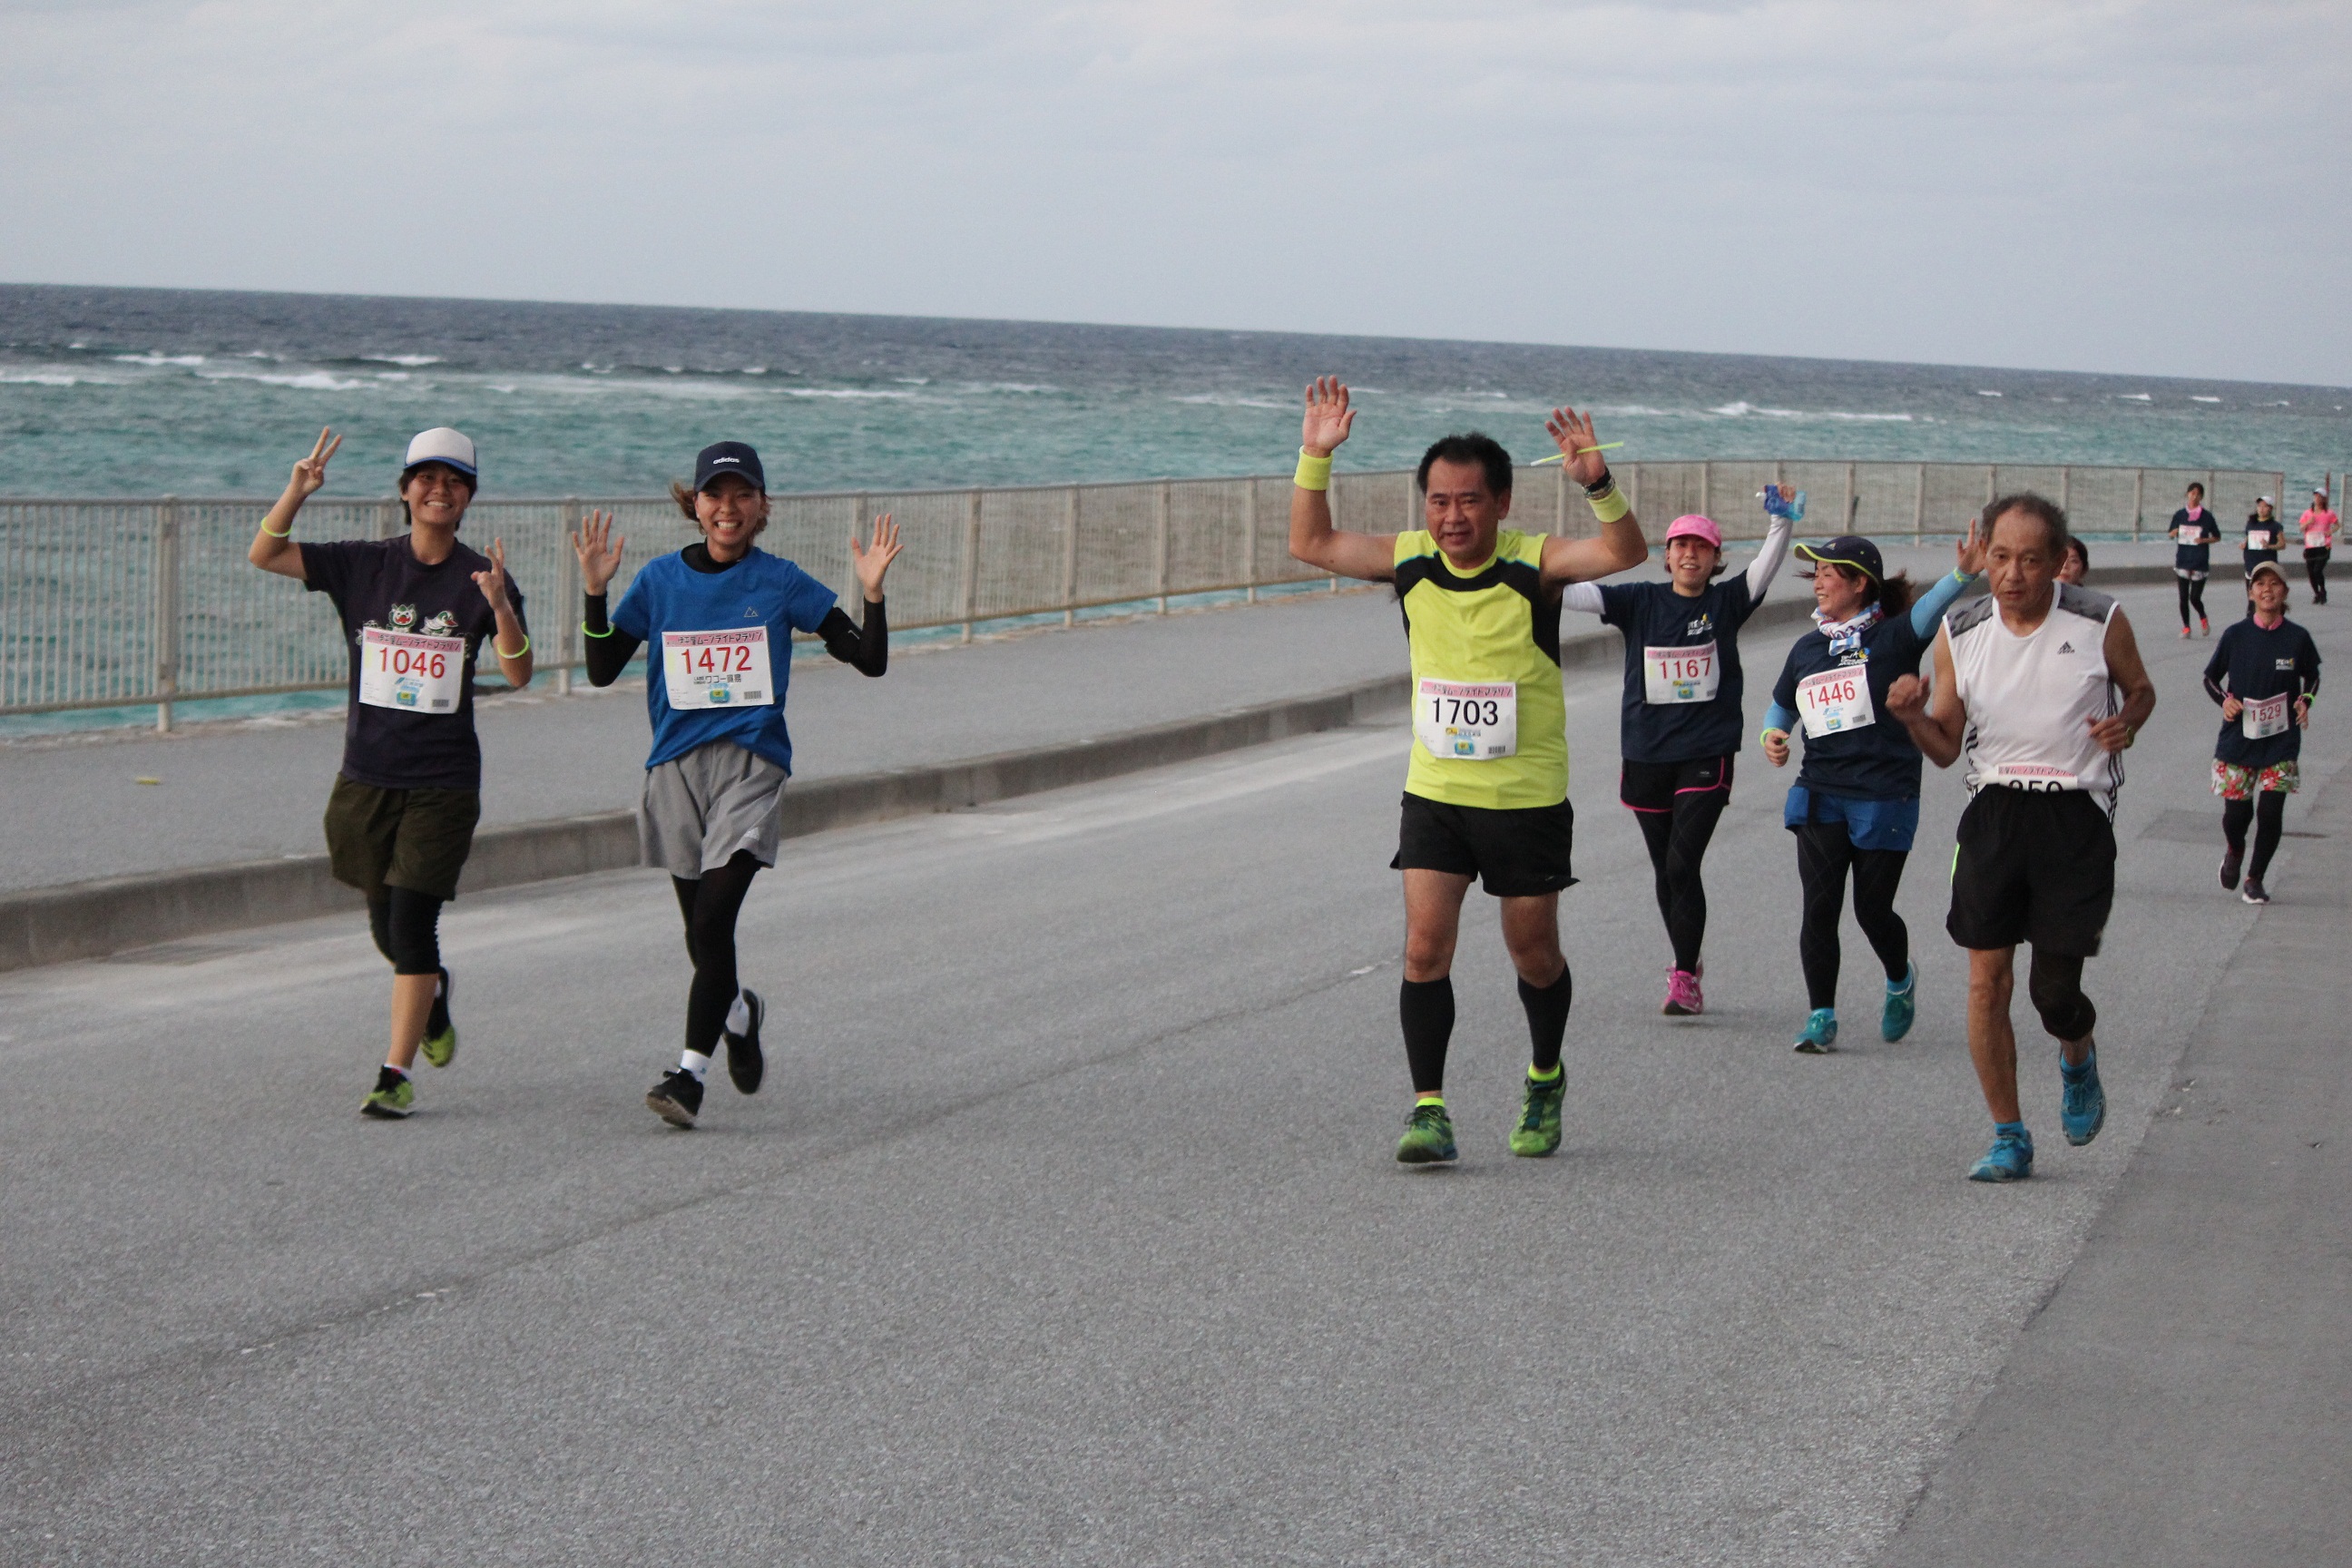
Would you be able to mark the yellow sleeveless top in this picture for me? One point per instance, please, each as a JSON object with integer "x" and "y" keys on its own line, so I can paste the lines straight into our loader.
{"x": 1494, "y": 624}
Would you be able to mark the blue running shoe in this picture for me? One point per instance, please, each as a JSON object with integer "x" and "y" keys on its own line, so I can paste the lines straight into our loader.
{"x": 2010, "y": 1158}
{"x": 2082, "y": 1102}
{"x": 1819, "y": 1036}
{"x": 1902, "y": 1006}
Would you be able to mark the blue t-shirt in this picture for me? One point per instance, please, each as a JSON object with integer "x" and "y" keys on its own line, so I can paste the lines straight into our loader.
{"x": 760, "y": 589}
{"x": 1878, "y": 761}
{"x": 1651, "y": 615}
{"x": 2197, "y": 557}
{"x": 2263, "y": 538}
{"x": 2260, "y": 662}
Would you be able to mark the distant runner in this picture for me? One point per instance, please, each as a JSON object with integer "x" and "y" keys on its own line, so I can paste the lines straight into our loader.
{"x": 2077, "y": 564}
{"x": 1856, "y": 804}
{"x": 2265, "y": 533}
{"x": 1486, "y": 789}
{"x": 1680, "y": 724}
{"x": 2026, "y": 688}
{"x": 415, "y": 611}
{"x": 2265, "y": 673}
{"x": 721, "y": 613}
{"x": 2194, "y": 535}
{"x": 2319, "y": 525}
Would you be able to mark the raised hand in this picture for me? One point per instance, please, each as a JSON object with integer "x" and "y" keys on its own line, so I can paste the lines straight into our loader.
{"x": 493, "y": 582}
{"x": 1972, "y": 547}
{"x": 311, "y": 472}
{"x": 1573, "y": 433}
{"x": 1328, "y": 417}
{"x": 873, "y": 561}
{"x": 599, "y": 550}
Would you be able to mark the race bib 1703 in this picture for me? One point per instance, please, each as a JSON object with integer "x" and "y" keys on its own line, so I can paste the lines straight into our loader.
{"x": 2264, "y": 716}
{"x": 716, "y": 669}
{"x": 1679, "y": 674}
{"x": 1467, "y": 723}
{"x": 1836, "y": 700}
{"x": 411, "y": 672}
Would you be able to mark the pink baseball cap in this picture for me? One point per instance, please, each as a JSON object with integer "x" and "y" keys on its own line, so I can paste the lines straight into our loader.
{"x": 1693, "y": 526}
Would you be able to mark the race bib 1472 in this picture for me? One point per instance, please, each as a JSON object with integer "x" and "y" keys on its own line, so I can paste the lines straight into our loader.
{"x": 716, "y": 669}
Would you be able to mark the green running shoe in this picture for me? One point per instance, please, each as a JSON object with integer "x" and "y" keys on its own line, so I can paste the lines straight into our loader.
{"x": 392, "y": 1099}
{"x": 1428, "y": 1136}
{"x": 1902, "y": 1006}
{"x": 1820, "y": 1036}
{"x": 440, "y": 1045}
{"x": 1537, "y": 1133}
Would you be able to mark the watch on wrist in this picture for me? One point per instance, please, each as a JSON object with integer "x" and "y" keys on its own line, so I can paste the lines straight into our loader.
{"x": 1601, "y": 485}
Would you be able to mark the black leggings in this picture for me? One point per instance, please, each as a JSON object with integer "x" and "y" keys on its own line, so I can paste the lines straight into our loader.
{"x": 2314, "y": 566}
{"x": 1678, "y": 841}
{"x": 2191, "y": 592}
{"x": 2269, "y": 820}
{"x": 710, "y": 903}
{"x": 406, "y": 928}
{"x": 1824, "y": 852}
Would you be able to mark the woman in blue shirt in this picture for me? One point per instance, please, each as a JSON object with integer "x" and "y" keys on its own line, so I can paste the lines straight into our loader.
{"x": 2194, "y": 535}
{"x": 2264, "y": 672}
{"x": 718, "y": 618}
{"x": 1856, "y": 804}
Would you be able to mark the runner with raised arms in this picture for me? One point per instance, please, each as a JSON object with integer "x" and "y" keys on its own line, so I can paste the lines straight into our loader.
{"x": 719, "y": 615}
{"x": 416, "y": 611}
{"x": 1487, "y": 787}
{"x": 2027, "y": 687}
{"x": 2194, "y": 535}
{"x": 2265, "y": 673}
{"x": 1680, "y": 722}
{"x": 1856, "y": 804}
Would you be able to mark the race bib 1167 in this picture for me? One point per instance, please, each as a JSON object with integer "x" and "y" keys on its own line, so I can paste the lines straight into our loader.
{"x": 1670, "y": 675}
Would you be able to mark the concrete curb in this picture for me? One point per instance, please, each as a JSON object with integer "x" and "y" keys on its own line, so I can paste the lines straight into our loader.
{"x": 91, "y": 919}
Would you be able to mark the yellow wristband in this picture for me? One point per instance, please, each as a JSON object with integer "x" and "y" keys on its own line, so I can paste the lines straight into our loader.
{"x": 516, "y": 654}
{"x": 273, "y": 532}
{"x": 1609, "y": 504}
{"x": 1314, "y": 473}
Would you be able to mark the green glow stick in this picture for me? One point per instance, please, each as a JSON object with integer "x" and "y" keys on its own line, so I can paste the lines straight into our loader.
{"x": 1562, "y": 456}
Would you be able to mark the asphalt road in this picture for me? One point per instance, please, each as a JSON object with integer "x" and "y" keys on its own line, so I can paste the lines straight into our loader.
{"x": 1066, "y": 1227}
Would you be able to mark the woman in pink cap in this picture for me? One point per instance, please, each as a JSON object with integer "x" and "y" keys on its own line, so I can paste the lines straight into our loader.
{"x": 2319, "y": 523}
{"x": 1681, "y": 720}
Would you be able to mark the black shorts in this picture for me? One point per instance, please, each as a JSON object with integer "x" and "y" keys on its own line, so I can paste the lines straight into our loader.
{"x": 1652, "y": 786}
{"x": 412, "y": 839}
{"x": 2034, "y": 866}
{"x": 1514, "y": 854}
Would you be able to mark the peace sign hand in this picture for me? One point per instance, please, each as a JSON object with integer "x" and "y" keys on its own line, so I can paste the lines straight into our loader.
{"x": 872, "y": 561}
{"x": 1328, "y": 417}
{"x": 599, "y": 550}
{"x": 311, "y": 472}
{"x": 493, "y": 582}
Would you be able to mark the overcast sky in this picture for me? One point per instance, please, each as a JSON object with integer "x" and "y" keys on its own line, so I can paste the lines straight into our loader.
{"x": 2153, "y": 186}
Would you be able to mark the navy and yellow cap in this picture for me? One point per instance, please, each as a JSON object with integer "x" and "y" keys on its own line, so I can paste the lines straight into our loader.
{"x": 728, "y": 458}
{"x": 1847, "y": 549}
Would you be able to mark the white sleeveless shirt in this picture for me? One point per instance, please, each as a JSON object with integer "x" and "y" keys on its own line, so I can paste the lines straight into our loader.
{"x": 2031, "y": 699}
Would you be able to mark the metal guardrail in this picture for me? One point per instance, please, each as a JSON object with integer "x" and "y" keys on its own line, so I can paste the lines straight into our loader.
{"x": 108, "y": 604}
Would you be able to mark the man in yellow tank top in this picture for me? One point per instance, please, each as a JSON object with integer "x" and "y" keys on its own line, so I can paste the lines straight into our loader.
{"x": 1486, "y": 790}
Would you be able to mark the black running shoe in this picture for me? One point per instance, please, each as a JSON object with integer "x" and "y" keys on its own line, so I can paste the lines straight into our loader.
{"x": 745, "y": 1065}
{"x": 2255, "y": 893}
{"x": 2231, "y": 860}
{"x": 677, "y": 1099}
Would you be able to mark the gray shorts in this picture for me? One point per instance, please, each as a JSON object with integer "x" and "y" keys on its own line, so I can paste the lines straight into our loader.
{"x": 701, "y": 808}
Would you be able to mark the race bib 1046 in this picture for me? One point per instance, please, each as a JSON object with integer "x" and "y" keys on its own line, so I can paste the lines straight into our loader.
{"x": 1679, "y": 674}
{"x": 716, "y": 669}
{"x": 411, "y": 672}
{"x": 1836, "y": 700}
{"x": 1470, "y": 723}
{"x": 2264, "y": 716}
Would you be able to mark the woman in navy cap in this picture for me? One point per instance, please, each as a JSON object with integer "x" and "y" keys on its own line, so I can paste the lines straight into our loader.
{"x": 718, "y": 617}
{"x": 1856, "y": 804}
{"x": 417, "y": 610}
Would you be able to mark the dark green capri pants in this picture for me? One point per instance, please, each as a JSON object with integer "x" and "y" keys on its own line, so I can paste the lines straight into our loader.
{"x": 412, "y": 839}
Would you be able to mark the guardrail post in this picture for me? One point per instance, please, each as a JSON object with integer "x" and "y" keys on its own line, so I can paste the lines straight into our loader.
{"x": 1852, "y": 498}
{"x": 969, "y": 587}
{"x": 2066, "y": 490}
{"x": 1920, "y": 506}
{"x": 567, "y": 622}
{"x": 1160, "y": 543}
{"x": 1070, "y": 558}
{"x": 388, "y": 518}
{"x": 1332, "y": 498}
{"x": 1559, "y": 504}
{"x": 1992, "y": 483}
{"x": 1249, "y": 537}
{"x": 1634, "y": 493}
{"x": 2140, "y": 501}
{"x": 1706, "y": 490}
{"x": 167, "y": 610}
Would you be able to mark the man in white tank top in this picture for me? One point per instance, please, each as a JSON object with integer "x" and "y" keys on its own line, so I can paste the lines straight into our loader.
{"x": 2040, "y": 686}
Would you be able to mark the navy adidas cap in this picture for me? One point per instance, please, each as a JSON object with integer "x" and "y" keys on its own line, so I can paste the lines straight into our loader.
{"x": 728, "y": 458}
{"x": 1847, "y": 549}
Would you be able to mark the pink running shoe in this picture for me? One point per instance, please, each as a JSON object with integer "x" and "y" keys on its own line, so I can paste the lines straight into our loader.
{"x": 1682, "y": 998}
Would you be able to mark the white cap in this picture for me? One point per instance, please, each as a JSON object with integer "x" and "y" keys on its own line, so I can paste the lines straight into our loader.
{"x": 441, "y": 445}
{"x": 2259, "y": 500}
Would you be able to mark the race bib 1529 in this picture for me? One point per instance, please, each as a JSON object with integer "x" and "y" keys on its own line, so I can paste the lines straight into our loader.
{"x": 411, "y": 672}
{"x": 2264, "y": 716}
{"x": 716, "y": 669}
{"x": 1467, "y": 723}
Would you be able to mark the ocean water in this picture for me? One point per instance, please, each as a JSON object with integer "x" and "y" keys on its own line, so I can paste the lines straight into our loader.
{"x": 123, "y": 392}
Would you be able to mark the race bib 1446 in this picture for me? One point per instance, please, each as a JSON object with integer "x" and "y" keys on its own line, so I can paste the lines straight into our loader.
{"x": 716, "y": 669}
{"x": 1471, "y": 723}
{"x": 411, "y": 672}
{"x": 1836, "y": 700}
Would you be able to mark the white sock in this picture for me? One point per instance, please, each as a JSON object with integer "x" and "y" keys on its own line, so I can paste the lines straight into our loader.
{"x": 693, "y": 1062}
{"x": 739, "y": 1016}
{"x": 402, "y": 1071}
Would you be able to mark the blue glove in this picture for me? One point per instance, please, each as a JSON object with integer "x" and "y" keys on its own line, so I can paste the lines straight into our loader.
{"x": 1784, "y": 503}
